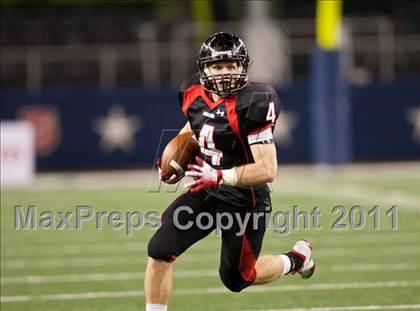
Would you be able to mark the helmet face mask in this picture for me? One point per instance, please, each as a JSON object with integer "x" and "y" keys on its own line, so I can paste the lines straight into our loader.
{"x": 224, "y": 48}
{"x": 223, "y": 84}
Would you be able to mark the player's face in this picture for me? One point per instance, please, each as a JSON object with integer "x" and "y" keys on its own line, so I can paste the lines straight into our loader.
{"x": 224, "y": 71}
{"x": 221, "y": 68}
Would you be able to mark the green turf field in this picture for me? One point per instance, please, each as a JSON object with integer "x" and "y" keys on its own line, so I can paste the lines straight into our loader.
{"x": 103, "y": 270}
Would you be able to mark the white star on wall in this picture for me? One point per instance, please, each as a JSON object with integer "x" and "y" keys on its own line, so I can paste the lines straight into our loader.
{"x": 413, "y": 117}
{"x": 286, "y": 122}
{"x": 117, "y": 129}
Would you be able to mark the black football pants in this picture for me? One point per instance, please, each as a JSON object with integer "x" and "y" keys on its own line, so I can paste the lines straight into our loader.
{"x": 180, "y": 229}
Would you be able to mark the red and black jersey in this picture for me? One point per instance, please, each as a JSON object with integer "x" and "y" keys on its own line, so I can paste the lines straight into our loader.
{"x": 225, "y": 130}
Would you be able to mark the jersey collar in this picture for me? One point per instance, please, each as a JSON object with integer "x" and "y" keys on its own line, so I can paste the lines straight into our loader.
{"x": 210, "y": 103}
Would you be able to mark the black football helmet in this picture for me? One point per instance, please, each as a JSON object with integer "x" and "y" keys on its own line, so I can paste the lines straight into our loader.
{"x": 223, "y": 46}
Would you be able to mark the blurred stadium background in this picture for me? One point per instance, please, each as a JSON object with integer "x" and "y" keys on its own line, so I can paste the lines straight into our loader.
{"x": 89, "y": 96}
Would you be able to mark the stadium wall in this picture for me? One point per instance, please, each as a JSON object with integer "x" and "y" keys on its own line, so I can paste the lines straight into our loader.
{"x": 86, "y": 128}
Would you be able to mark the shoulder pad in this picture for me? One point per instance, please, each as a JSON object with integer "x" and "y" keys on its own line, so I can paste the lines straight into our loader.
{"x": 189, "y": 82}
{"x": 185, "y": 85}
{"x": 260, "y": 106}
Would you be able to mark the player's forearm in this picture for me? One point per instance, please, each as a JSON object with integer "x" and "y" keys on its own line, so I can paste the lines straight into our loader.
{"x": 263, "y": 170}
{"x": 255, "y": 173}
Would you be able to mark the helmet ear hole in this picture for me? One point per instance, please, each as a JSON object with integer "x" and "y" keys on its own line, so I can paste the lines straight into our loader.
{"x": 206, "y": 70}
{"x": 240, "y": 68}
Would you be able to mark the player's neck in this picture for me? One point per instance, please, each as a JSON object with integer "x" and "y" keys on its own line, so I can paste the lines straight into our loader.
{"x": 215, "y": 97}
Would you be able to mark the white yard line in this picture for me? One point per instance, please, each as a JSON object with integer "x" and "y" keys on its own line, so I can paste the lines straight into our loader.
{"x": 362, "y": 239}
{"x": 367, "y": 267}
{"x": 347, "y": 251}
{"x": 350, "y": 308}
{"x": 215, "y": 290}
{"x": 51, "y": 263}
{"x": 111, "y": 247}
{"x": 126, "y": 276}
{"x": 62, "y": 262}
{"x": 92, "y": 277}
{"x": 332, "y": 238}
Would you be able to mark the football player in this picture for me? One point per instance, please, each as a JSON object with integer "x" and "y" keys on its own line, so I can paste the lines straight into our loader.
{"x": 233, "y": 120}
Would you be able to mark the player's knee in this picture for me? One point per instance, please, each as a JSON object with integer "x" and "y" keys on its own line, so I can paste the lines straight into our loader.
{"x": 160, "y": 250}
{"x": 232, "y": 280}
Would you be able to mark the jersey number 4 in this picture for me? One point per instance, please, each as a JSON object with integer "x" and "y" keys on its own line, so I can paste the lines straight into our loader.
{"x": 271, "y": 113}
{"x": 208, "y": 146}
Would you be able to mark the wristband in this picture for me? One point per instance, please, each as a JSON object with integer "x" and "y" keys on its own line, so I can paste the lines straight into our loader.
{"x": 229, "y": 177}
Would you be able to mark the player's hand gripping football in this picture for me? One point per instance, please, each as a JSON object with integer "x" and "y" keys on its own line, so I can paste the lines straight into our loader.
{"x": 167, "y": 179}
{"x": 204, "y": 176}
